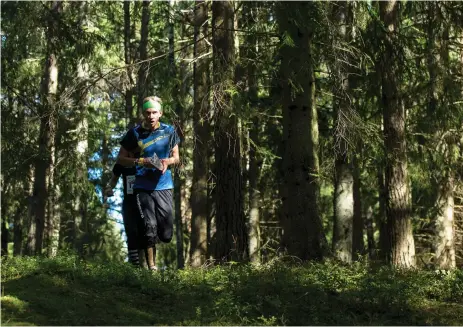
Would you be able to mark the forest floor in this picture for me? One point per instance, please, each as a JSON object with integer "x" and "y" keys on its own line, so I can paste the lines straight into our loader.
{"x": 67, "y": 291}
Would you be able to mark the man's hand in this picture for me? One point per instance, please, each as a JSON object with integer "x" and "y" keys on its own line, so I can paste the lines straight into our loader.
{"x": 165, "y": 164}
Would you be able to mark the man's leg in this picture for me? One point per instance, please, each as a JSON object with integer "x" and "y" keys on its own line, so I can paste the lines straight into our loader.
{"x": 164, "y": 214}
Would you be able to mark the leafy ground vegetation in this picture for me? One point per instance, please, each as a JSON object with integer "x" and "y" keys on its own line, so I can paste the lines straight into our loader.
{"x": 68, "y": 291}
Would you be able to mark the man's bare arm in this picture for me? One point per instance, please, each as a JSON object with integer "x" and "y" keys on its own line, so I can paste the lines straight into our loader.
{"x": 174, "y": 159}
{"x": 111, "y": 185}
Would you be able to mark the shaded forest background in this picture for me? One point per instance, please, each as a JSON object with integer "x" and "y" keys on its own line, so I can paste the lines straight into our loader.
{"x": 311, "y": 129}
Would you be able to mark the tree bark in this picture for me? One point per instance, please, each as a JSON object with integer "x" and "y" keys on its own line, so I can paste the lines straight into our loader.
{"x": 231, "y": 234}
{"x": 78, "y": 223}
{"x": 343, "y": 211}
{"x": 129, "y": 110}
{"x": 255, "y": 160}
{"x": 344, "y": 180}
{"x": 23, "y": 215}
{"x": 358, "y": 246}
{"x": 303, "y": 234}
{"x": 370, "y": 233}
{"x": 444, "y": 244}
{"x": 106, "y": 173}
{"x": 202, "y": 132}
{"x": 402, "y": 246}
{"x": 381, "y": 220}
{"x": 179, "y": 125}
{"x": 143, "y": 51}
{"x": 18, "y": 232}
{"x": 48, "y": 122}
{"x": 445, "y": 229}
{"x": 53, "y": 205}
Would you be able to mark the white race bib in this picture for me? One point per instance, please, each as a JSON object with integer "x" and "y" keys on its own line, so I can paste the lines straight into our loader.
{"x": 130, "y": 182}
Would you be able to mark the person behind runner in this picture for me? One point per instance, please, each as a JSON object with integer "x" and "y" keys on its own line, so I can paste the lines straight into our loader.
{"x": 129, "y": 208}
{"x": 153, "y": 186}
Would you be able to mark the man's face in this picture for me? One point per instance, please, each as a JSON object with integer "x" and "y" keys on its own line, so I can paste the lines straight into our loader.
{"x": 152, "y": 116}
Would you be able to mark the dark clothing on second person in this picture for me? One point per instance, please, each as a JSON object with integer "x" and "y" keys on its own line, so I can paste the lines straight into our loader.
{"x": 130, "y": 213}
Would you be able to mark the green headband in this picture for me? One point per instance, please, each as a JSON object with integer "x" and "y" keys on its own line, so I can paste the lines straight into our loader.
{"x": 151, "y": 104}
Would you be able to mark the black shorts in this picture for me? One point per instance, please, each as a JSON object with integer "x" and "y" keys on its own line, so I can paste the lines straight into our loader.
{"x": 155, "y": 215}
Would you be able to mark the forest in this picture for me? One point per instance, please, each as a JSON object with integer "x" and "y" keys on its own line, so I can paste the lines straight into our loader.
{"x": 308, "y": 129}
{"x": 317, "y": 134}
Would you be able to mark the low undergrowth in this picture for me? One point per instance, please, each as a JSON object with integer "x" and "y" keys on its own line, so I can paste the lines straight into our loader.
{"x": 68, "y": 291}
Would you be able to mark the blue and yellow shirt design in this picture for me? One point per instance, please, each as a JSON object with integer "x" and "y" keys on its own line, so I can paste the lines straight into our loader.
{"x": 160, "y": 141}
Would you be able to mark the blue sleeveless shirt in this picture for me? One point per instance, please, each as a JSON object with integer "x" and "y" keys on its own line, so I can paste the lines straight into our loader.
{"x": 160, "y": 141}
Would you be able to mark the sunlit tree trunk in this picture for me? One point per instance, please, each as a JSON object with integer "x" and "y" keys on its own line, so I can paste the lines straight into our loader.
{"x": 370, "y": 232}
{"x": 358, "y": 246}
{"x": 445, "y": 229}
{"x": 343, "y": 179}
{"x": 186, "y": 80}
{"x": 53, "y": 206}
{"x": 398, "y": 205}
{"x": 444, "y": 244}
{"x": 202, "y": 132}
{"x": 255, "y": 160}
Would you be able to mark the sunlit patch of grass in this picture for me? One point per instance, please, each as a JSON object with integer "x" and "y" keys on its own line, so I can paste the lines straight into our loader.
{"x": 12, "y": 303}
{"x": 12, "y": 309}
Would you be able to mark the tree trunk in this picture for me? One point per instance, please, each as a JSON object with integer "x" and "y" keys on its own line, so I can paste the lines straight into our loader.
{"x": 78, "y": 222}
{"x": 444, "y": 244}
{"x": 231, "y": 234}
{"x": 381, "y": 221}
{"x": 48, "y": 121}
{"x": 53, "y": 208}
{"x": 44, "y": 176}
{"x": 143, "y": 51}
{"x": 18, "y": 232}
{"x": 106, "y": 172}
{"x": 255, "y": 160}
{"x": 129, "y": 112}
{"x": 185, "y": 78}
{"x": 344, "y": 180}
{"x": 31, "y": 223}
{"x": 303, "y": 234}
{"x": 370, "y": 232}
{"x": 358, "y": 246}
{"x": 24, "y": 214}
{"x": 402, "y": 246}
{"x": 343, "y": 211}
{"x": 178, "y": 105}
{"x": 202, "y": 132}
{"x": 5, "y": 236}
